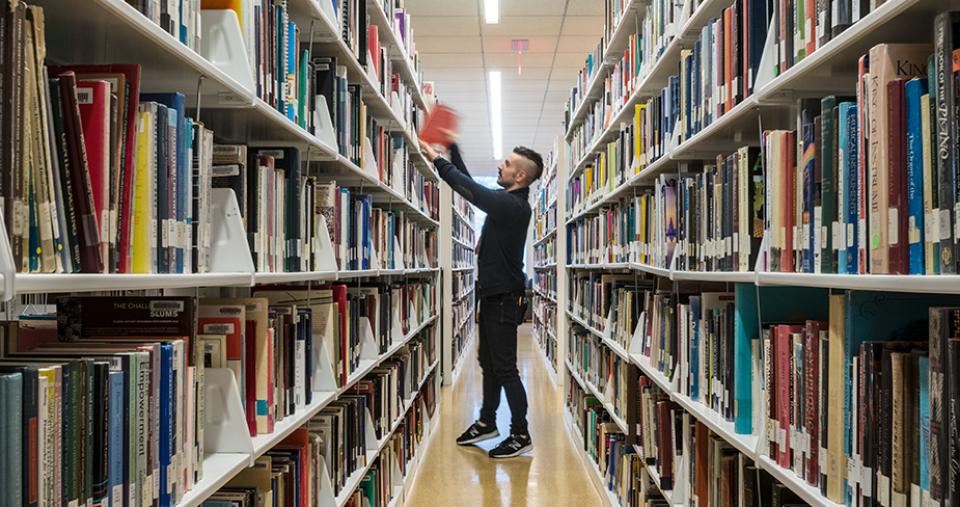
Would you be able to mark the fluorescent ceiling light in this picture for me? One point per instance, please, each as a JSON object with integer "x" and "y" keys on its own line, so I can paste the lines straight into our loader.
{"x": 496, "y": 114}
{"x": 491, "y": 11}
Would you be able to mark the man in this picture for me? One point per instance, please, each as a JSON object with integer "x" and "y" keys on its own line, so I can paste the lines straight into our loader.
{"x": 500, "y": 287}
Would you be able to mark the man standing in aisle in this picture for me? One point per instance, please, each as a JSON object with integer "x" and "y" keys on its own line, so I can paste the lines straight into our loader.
{"x": 500, "y": 286}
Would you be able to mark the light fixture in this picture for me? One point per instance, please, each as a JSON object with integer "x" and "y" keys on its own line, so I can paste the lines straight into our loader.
{"x": 496, "y": 114}
{"x": 491, "y": 11}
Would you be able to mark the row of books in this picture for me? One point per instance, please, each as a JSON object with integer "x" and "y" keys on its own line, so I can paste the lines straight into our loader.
{"x": 545, "y": 220}
{"x": 95, "y": 415}
{"x": 462, "y": 282}
{"x": 545, "y": 253}
{"x": 546, "y": 282}
{"x": 614, "y": 301}
{"x": 463, "y": 232}
{"x": 283, "y": 237}
{"x": 463, "y": 207}
{"x": 462, "y": 337}
{"x": 637, "y": 145}
{"x": 885, "y": 351}
{"x": 544, "y": 326}
{"x": 690, "y": 457}
{"x": 718, "y": 69}
{"x": 464, "y": 257}
{"x": 869, "y": 170}
{"x": 110, "y": 180}
{"x": 334, "y": 444}
{"x": 601, "y": 367}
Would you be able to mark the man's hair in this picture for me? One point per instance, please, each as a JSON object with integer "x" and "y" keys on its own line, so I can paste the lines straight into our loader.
{"x": 534, "y": 157}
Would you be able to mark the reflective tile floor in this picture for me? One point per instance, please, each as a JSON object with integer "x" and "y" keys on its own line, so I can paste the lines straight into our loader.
{"x": 552, "y": 475}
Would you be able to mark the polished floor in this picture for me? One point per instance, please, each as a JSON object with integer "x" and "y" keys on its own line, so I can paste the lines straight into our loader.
{"x": 552, "y": 475}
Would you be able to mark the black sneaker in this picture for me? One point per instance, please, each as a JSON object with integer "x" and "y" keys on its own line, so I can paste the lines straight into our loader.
{"x": 514, "y": 445}
{"x": 478, "y": 432}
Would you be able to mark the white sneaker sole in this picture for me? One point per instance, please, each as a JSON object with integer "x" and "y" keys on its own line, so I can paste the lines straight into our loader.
{"x": 525, "y": 449}
{"x": 481, "y": 438}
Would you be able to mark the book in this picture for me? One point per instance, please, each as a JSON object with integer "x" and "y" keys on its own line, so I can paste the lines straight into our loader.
{"x": 440, "y": 118}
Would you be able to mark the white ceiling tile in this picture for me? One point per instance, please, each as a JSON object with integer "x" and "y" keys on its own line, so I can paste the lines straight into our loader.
{"x": 448, "y": 44}
{"x": 585, "y": 8}
{"x": 583, "y": 25}
{"x": 534, "y": 7}
{"x": 442, "y": 8}
{"x": 578, "y": 44}
{"x": 446, "y": 25}
{"x": 524, "y": 27}
{"x": 440, "y": 60}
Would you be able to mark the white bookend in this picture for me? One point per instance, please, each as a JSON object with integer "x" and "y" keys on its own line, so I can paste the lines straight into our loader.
{"x": 607, "y": 331}
{"x": 371, "y": 444}
{"x": 324, "y": 375}
{"x": 767, "y": 60}
{"x": 324, "y": 124}
{"x": 762, "y": 264}
{"x": 369, "y": 160}
{"x": 369, "y": 349}
{"x": 398, "y": 261}
{"x": 223, "y": 45}
{"x": 326, "y": 260}
{"x": 374, "y": 259}
{"x": 7, "y": 267}
{"x": 371, "y": 73}
{"x": 225, "y": 428}
{"x": 397, "y": 328}
{"x": 327, "y": 9}
{"x": 229, "y": 252}
{"x": 325, "y": 496}
{"x": 636, "y": 342}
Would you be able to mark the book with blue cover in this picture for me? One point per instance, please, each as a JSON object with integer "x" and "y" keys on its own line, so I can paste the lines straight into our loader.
{"x": 913, "y": 90}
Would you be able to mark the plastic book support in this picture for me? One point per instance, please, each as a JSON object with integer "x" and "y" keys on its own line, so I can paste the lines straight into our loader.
{"x": 225, "y": 428}
{"x": 223, "y": 45}
{"x": 229, "y": 252}
{"x": 325, "y": 131}
{"x": 7, "y": 267}
{"x": 767, "y": 60}
{"x": 326, "y": 261}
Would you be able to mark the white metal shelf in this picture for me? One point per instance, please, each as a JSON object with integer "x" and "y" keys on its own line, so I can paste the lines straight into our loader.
{"x": 462, "y": 243}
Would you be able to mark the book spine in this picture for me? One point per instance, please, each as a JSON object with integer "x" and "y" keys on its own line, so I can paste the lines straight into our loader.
{"x": 914, "y": 89}
{"x": 946, "y": 159}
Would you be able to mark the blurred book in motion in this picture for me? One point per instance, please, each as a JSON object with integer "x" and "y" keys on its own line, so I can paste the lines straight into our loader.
{"x": 440, "y": 119}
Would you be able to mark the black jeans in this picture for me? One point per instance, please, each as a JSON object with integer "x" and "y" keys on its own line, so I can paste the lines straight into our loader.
{"x": 499, "y": 317}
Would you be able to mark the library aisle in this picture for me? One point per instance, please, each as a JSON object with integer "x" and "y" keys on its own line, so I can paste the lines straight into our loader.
{"x": 551, "y": 475}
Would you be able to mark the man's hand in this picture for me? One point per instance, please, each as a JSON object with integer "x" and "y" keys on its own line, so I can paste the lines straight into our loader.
{"x": 428, "y": 151}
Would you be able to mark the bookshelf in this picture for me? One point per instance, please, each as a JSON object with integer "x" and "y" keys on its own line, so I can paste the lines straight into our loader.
{"x": 459, "y": 279}
{"x": 219, "y": 92}
{"x": 599, "y": 123}
{"x": 548, "y": 281}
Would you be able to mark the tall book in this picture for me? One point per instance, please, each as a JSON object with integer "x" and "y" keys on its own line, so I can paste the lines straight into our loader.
{"x": 946, "y": 37}
{"x": 888, "y": 62}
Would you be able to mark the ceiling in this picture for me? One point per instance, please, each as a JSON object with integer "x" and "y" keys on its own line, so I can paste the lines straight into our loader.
{"x": 458, "y": 49}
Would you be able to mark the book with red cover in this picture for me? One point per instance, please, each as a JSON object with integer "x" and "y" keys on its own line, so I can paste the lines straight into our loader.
{"x": 440, "y": 118}
{"x": 124, "y": 180}
{"x": 897, "y": 179}
{"x": 811, "y": 409}
{"x": 340, "y": 298}
{"x": 93, "y": 99}
{"x": 373, "y": 43}
{"x": 79, "y": 174}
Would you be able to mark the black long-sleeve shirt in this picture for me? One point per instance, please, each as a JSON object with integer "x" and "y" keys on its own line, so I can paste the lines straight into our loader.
{"x": 504, "y": 234}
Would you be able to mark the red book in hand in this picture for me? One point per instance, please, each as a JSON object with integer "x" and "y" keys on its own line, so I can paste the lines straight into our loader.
{"x": 440, "y": 118}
